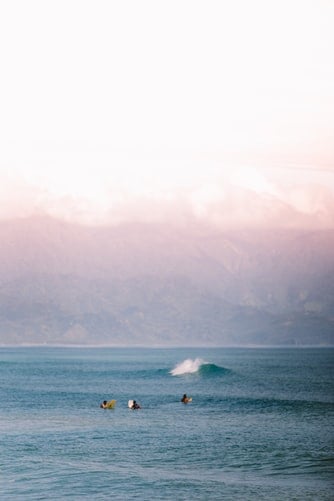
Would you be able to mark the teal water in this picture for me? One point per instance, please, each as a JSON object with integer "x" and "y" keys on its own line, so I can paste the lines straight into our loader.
{"x": 260, "y": 425}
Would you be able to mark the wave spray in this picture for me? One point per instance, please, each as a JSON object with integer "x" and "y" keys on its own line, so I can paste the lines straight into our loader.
{"x": 188, "y": 366}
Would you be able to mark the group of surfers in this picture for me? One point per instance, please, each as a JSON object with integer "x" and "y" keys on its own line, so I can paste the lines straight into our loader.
{"x": 110, "y": 404}
{"x": 134, "y": 405}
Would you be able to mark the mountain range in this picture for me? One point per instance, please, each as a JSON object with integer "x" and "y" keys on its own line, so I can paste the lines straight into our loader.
{"x": 163, "y": 284}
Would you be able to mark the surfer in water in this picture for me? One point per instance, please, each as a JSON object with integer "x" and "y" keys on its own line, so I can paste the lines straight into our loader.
{"x": 135, "y": 405}
{"x": 108, "y": 404}
{"x": 185, "y": 399}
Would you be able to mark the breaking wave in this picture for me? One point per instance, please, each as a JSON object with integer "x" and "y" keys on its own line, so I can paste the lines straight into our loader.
{"x": 199, "y": 366}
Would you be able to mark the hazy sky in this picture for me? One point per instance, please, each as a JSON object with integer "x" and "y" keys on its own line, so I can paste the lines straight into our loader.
{"x": 118, "y": 109}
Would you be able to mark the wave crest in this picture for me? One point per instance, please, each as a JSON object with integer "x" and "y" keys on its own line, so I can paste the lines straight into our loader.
{"x": 188, "y": 366}
{"x": 198, "y": 365}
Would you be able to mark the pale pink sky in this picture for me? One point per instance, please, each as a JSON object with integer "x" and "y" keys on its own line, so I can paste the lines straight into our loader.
{"x": 151, "y": 110}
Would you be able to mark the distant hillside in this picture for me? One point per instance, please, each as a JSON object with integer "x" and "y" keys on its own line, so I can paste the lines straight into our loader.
{"x": 158, "y": 284}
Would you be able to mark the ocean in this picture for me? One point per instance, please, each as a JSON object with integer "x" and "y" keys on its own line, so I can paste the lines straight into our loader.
{"x": 260, "y": 424}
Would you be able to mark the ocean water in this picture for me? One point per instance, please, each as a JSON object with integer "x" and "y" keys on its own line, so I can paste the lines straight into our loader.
{"x": 260, "y": 425}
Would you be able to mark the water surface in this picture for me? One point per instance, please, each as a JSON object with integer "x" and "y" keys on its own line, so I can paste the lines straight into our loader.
{"x": 260, "y": 425}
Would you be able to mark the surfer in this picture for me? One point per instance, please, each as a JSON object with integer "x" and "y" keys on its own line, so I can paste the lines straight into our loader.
{"x": 135, "y": 405}
{"x": 185, "y": 399}
{"x": 108, "y": 404}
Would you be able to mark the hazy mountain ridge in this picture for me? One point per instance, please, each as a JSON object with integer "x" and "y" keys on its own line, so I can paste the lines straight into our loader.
{"x": 158, "y": 284}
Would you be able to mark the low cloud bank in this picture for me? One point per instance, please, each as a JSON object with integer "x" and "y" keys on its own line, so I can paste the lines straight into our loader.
{"x": 222, "y": 203}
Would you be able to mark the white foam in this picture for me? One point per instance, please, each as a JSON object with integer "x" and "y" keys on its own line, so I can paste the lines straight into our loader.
{"x": 187, "y": 366}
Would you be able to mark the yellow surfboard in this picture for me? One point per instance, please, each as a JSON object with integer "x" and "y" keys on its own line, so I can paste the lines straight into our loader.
{"x": 111, "y": 404}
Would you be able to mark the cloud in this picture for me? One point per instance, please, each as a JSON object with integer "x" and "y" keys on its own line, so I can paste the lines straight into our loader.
{"x": 173, "y": 111}
{"x": 17, "y": 199}
{"x": 227, "y": 199}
